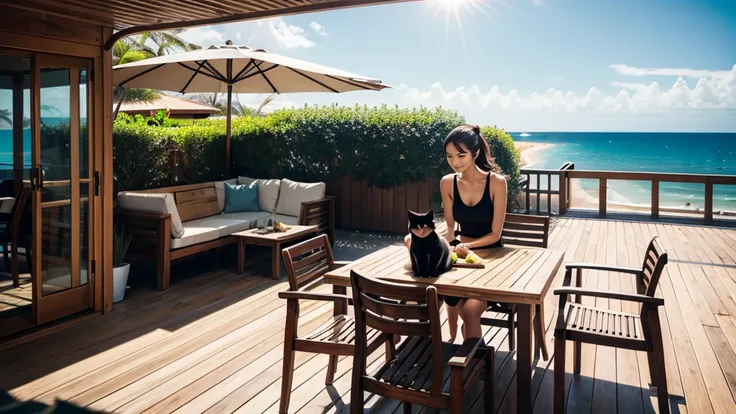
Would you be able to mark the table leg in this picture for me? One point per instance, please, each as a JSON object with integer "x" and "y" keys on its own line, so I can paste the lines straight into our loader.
{"x": 276, "y": 265}
{"x": 241, "y": 256}
{"x": 525, "y": 319}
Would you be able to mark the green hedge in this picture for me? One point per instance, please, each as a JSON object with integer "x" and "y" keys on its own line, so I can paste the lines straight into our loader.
{"x": 386, "y": 146}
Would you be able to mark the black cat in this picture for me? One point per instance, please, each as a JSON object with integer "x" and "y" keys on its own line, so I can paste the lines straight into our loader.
{"x": 430, "y": 253}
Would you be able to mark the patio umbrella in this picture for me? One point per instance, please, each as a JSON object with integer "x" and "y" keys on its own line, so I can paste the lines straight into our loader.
{"x": 237, "y": 69}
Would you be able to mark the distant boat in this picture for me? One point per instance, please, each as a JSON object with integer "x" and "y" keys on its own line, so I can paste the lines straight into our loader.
{"x": 524, "y": 134}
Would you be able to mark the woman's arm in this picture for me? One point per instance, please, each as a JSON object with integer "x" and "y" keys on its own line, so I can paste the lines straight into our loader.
{"x": 498, "y": 196}
{"x": 446, "y": 191}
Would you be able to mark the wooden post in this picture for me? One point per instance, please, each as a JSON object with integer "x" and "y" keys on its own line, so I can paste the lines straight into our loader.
{"x": 655, "y": 199}
{"x": 602, "y": 196}
{"x": 549, "y": 194}
{"x": 708, "y": 203}
{"x": 539, "y": 195}
{"x": 562, "y": 200}
{"x": 528, "y": 199}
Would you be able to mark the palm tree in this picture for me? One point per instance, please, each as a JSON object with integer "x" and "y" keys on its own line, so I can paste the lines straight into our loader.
{"x": 145, "y": 46}
{"x": 5, "y": 117}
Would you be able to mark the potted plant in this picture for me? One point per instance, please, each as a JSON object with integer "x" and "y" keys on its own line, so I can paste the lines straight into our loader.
{"x": 120, "y": 269}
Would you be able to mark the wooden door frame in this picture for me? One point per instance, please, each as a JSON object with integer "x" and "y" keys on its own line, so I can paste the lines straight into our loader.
{"x": 102, "y": 145}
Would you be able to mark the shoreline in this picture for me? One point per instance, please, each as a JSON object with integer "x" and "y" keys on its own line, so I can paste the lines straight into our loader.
{"x": 531, "y": 153}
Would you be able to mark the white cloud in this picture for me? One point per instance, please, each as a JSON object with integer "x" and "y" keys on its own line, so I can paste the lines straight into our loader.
{"x": 289, "y": 36}
{"x": 684, "y": 72}
{"x": 318, "y": 28}
{"x": 203, "y": 36}
{"x": 237, "y": 35}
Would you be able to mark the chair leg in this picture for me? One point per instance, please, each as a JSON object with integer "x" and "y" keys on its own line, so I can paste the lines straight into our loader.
{"x": 510, "y": 326}
{"x": 14, "y": 265}
{"x": 656, "y": 332}
{"x": 576, "y": 355}
{"x": 559, "y": 387}
{"x": 540, "y": 335}
{"x": 286, "y": 377}
{"x": 6, "y": 257}
{"x": 456, "y": 390}
{"x": 331, "y": 368}
{"x": 651, "y": 358}
{"x": 407, "y": 407}
{"x": 488, "y": 385}
{"x": 390, "y": 345}
{"x": 356, "y": 393}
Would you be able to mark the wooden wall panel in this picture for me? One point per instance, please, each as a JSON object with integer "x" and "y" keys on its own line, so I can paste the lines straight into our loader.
{"x": 52, "y": 27}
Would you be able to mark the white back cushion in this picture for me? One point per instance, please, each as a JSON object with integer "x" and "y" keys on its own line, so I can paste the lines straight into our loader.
{"x": 293, "y": 193}
{"x": 268, "y": 192}
{"x": 156, "y": 203}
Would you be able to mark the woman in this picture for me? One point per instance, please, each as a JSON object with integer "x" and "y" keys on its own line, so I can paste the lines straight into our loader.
{"x": 475, "y": 198}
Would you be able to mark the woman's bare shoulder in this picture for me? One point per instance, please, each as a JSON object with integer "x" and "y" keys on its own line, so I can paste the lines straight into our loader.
{"x": 446, "y": 180}
{"x": 499, "y": 178}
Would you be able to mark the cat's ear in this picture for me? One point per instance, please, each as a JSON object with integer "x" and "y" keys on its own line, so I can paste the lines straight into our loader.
{"x": 411, "y": 214}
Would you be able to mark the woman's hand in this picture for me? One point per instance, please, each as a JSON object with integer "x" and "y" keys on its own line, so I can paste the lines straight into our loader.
{"x": 462, "y": 250}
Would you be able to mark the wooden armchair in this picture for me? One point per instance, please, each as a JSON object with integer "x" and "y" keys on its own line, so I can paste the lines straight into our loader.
{"x": 10, "y": 234}
{"x": 306, "y": 263}
{"x": 418, "y": 373}
{"x": 521, "y": 230}
{"x": 642, "y": 332}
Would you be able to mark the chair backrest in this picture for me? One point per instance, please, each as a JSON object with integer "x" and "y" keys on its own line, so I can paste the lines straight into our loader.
{"x": 307, "y": 260}
{"x": 19, "y": 208}
{"x": 526, "y": 230}
{"x": 384, "y": 306}
{"x": 654, "y": 261}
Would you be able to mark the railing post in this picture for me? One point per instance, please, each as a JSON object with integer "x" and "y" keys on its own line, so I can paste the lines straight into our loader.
{"x": 602, "y": 196}
{"x": 539, "y": 194}
{"x": 528, "y": 202}
{"x": 708, "y": 203}
{"x": 562, "y": 197}
{"x": 655, "y": 199}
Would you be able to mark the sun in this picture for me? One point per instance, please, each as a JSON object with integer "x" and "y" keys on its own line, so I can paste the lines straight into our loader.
{"x": 453, "y": 9}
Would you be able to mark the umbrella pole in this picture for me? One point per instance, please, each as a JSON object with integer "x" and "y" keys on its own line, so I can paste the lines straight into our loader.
{"x": 227, "y": 130}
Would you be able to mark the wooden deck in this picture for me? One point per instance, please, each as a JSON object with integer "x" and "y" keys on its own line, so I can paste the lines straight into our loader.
{"x": 213, "y": 343}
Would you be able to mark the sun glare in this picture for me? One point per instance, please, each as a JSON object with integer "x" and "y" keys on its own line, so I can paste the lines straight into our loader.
{"x": 456, "y": 10}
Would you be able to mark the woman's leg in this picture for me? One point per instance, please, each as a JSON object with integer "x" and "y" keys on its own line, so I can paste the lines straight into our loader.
{"x": 452, "y": 313}
{"x": 407, "y": 241}
{"x": 471, "y": 311}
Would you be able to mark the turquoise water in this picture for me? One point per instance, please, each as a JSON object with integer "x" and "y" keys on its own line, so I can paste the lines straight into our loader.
{"x": 693, "y": 153}
{"x": 6, "y": 143}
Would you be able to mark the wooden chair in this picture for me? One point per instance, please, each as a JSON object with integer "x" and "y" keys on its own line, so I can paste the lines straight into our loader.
{"x": 521, "y": 230}
{"x": 306, "y": 263}
{"x": 641, "y": 332}
{"x": 418, "y": 373}
{"x": 10, "y": 234}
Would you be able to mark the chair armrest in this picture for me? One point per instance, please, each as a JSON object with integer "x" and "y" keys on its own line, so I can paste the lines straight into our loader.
{"x": 465, "y": 353}
{"x": 339, "y": 264}
{"x": 632, "y": 297}
{"x": 315, "y": 296}
{"x": 591, "y": 266}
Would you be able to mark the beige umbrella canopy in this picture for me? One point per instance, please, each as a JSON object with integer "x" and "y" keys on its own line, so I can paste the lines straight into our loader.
{"x": 237, "y": 69}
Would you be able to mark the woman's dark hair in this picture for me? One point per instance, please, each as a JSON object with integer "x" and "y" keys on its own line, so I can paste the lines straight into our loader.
{"x": 470, "y": 136}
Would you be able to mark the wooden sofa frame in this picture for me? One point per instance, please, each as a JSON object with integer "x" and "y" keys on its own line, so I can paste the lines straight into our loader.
{"x": 152, "y": 231}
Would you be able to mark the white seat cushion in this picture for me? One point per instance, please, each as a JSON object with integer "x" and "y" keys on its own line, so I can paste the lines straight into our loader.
{"x": 195, "y": 234}
{"x": 155, "y": 203}
{"x": 290, "y": 220}
{"x": 268, "y": 192}
{"x": 225, "y": 224}
{"x": 294, "y": 193}
{"x": 255, "y": 218}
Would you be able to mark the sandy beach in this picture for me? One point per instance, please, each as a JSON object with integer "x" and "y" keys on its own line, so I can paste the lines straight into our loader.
{"x": 531, "y": 153}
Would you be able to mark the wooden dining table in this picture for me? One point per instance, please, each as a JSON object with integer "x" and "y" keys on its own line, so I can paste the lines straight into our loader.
{"x": 513, "y": 275}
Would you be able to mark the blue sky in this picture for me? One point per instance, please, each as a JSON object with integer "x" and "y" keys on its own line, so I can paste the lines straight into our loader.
{"x": 498, "y": 65}
{"x": 523, "y": 65}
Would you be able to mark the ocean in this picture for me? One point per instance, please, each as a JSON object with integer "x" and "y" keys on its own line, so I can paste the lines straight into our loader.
{"x": 6, "y": 143}
{"x": 693, "y": 153}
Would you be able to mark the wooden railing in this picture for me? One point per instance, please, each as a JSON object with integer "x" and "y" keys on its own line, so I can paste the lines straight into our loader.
{"x": 567, "y": 172}
{"x": 561, "y": 191}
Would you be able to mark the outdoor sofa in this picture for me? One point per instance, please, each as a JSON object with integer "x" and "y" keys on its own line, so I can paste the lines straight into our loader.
{"x": 173, "y": 222}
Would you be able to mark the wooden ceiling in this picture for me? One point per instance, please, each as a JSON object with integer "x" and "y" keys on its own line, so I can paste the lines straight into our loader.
{"x": 132, "y": 16}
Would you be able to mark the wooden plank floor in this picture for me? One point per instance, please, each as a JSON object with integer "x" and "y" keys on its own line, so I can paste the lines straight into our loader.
{"x": 214, "y": 343}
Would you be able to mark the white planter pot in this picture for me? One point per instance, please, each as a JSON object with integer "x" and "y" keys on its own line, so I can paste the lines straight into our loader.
{"x": 119, "y": 282}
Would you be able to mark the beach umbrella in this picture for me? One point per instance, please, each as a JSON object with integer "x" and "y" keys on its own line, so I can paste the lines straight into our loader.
{"x": 237, "y": 69}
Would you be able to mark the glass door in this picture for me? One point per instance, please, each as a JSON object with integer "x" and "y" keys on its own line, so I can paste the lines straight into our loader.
{"x": 61, "y": 184}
